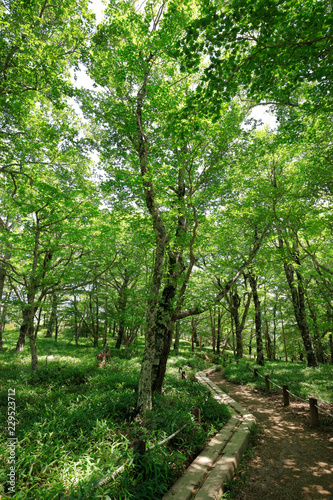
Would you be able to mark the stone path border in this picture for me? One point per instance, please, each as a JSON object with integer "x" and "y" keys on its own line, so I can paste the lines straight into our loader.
{"x": 205, "y": 477}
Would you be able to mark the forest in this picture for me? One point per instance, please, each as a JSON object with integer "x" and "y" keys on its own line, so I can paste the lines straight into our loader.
{"x": 150, "y": 215}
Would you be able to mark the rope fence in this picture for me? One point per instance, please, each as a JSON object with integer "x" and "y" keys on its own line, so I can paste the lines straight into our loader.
{"x": 286, "y": 398}
{"x": 139, "y": 446}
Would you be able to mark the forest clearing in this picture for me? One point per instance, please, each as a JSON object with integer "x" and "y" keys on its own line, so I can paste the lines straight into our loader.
{"x": 151, "y": 227}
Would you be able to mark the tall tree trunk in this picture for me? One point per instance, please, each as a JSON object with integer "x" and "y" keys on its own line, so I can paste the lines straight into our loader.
{"x": 76, "y": 329}
{"x": 283, "y": 335}
{"x": 145, "y": 382}
{"x": 2, "y": 283}
{"x": 250, "y": 342}
{"x": 257, "y": 318}
{"x": 56, "y": 333}
{"x": 212, "y": 324}
{"x": 6, "y": 255}
{"x": 38, "y": 321}
{"x": 167, "y": 308}
{"x": 274, "y": 331}
{"x": 105, "y": 330}
{"x": 22, "y": 337}
{"x": 298, "y": 297}
{"x": 52, "y": 318}
{"x": 97, "y": 317}
{"x": 144, "y": 403}
{"x": 27, "y": 329}
{"x": 235, "y": 303}
{"x": 92, "y": 320}
{"x": 233, "y": 335}
{"x": 3, "y": 310}
{"x": 165, "y": 321}
{"x": 122, "y": 304}
{"x": 268, "y": 341}
{"x": 316, "y": 336}
{"x": 177, "y": 337}
{"x": 297, "y": 294}
{"x": 219, "y": 318}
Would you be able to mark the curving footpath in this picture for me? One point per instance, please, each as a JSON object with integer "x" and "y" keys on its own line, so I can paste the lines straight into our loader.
{"x": 205, "y": 477}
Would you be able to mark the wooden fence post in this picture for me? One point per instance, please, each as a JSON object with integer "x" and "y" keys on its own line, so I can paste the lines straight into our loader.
{"x": 197, "y": 413}
{"x": 286, "y": 396}
{"x": 314, "y": 418}
{"x": 267, "y": 383}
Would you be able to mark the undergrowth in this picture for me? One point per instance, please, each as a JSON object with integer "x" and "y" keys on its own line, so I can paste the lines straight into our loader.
{"x": 75, "y": 425}
{"x": 301, "y": 380}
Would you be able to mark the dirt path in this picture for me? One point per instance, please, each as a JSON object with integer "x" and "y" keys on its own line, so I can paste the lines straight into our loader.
{"x": 292, "y": 460}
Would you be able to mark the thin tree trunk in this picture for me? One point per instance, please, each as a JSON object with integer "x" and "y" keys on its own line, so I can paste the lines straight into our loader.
{"x": 297, "y": 294}
{"x": 52, "y": 318}
{"x": 92, "y": 320}
{"x": 212, "y": 323}
{"x": 233, "y": 336}
{"x": 105, "y": 330}
{"x": 235, "y": 303}
{"x": 177, "y": 337}
{"x": 76, "y": 330}
{"x": 268, "y": 341}
{"x": 298, "y": 298}
{"x": 56, "y": 333}
{"x": 219, "y": 318}
{"x": 38, "y": 321}
{"x": 283, "y": 335}
{"x": 274, "y": 331}
{"x": 122, "y": 304}
{"x": 257, "y": 318}
{"x": 317, "y": 339}
{"x": 2, "y": 315}
{"x": 3, "y": 318}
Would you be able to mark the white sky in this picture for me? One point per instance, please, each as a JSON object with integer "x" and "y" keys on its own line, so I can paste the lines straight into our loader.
{"x": 98, "y": 6}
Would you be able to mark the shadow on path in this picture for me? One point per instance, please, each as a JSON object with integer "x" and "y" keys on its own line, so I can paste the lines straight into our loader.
{"x": 292, "y": 460}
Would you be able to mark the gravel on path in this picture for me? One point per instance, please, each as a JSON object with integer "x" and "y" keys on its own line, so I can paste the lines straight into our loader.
{"x": 292, "y": 460}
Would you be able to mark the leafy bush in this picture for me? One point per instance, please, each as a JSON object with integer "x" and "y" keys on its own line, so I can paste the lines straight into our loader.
{"x": 75, "y": 424}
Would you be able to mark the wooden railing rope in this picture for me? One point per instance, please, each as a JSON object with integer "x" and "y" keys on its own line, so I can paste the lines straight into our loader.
{"x": 195, "y": 411}
{"x": 313, "y": 401}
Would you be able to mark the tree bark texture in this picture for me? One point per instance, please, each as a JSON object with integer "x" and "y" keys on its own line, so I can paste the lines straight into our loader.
{"x": 177, "y": 338}
{"x": 239, "y": 323}
{"x": 121, "y": 307}
{"x": 51, "y": 323}
{"x": 297, "y": 294}
{"x": 257, "y": 319}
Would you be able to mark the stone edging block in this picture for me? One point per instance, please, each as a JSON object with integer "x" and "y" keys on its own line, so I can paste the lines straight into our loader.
{"x": 205, "y": 477}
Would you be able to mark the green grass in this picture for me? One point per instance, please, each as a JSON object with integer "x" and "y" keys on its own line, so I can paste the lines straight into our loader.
{"x": 74, "y": 422}
{"x": 301, "y": 380}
